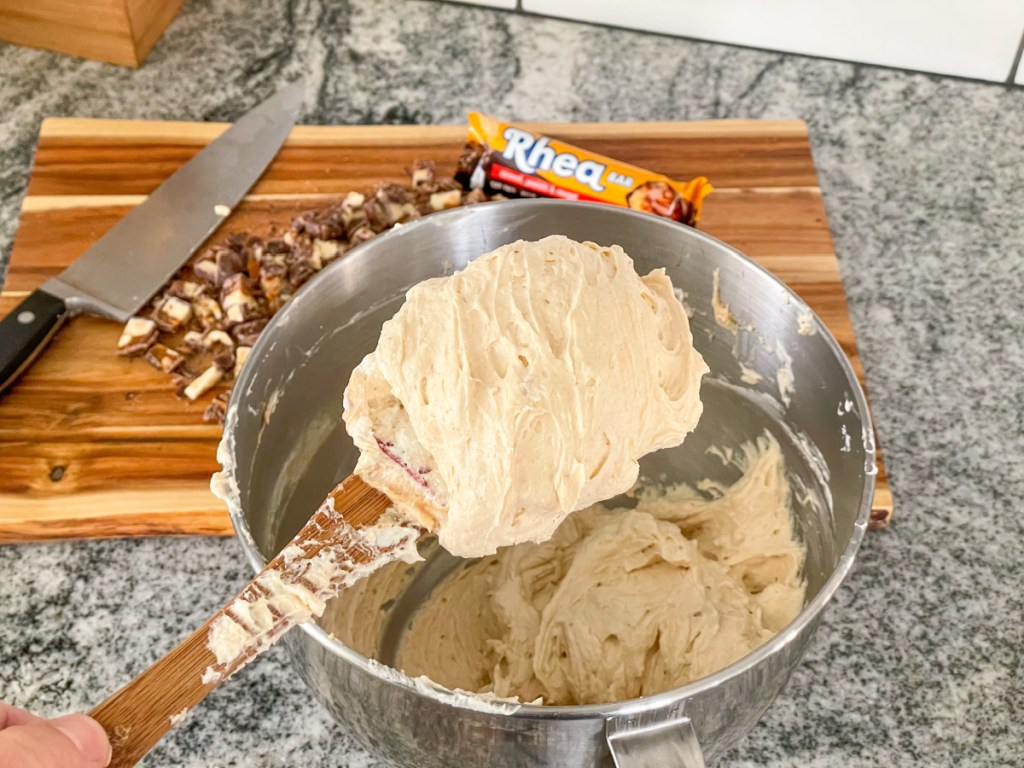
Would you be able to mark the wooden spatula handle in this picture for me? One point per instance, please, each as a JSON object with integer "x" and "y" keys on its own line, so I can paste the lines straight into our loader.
{"x": 137, "y": 716}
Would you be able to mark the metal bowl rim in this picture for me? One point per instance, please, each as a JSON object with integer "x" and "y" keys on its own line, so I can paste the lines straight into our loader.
{"x": 581, "y": 711}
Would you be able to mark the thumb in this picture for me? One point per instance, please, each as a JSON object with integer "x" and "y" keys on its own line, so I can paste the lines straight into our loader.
{"x": 88, "y": 737}
{"x": 72, "y": 741}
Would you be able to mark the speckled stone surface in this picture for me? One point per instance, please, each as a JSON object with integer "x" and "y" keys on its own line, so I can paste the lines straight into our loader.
{"x": 919, "y": 660}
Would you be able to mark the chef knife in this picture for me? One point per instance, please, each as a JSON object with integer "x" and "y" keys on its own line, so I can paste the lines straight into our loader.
{"x": 123, "y": 269}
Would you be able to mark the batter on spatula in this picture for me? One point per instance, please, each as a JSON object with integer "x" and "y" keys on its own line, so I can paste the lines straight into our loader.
{"x": 504, "y": 397}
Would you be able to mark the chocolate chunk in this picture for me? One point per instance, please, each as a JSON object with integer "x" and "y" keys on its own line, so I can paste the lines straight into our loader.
{"x": 172, "y": 313}
{"x": 389, "y": 192}
{"x": 389, "y": 205}
{"x": 400, "y": 208}
{"x": 424, "y": 175}
{"x": 237, "y": 241}
{"x": 273, "y": 281}
{"x": 181, "y": 380}
{"x": 218, "y": 339}
{"x": 303, "y": 262}
{"x": 185, "y": 289}
{"x": 376, "y": 214}
{"x": 300, "y": 272}
{"x": 273, "y": 247}
{"x": 240, "y": 313}
{"x": 238, "y": 301}
{"x": 326, "y": 224}
{"x": 254, "y": 253}
{"x": 217, "y": 410}
{"x": 451, "y": 198}
{"x": 203, "y": 383}
{"x": 236, "y": 287}
{"x": 164, "y": 358}
{"x": 241, "y": 355}
{"x": 223, "y": 355}
{"x": 229, "y": 262}
{"x": 139, "y": 334}
{"x": 352, "y": 210}
{"x": 361, "y": 234}
{"x": 326, "y": 251}
{"x": 245, "y": 334}
{"x": 879, "y": 519}
{"x": 207, "y": 311}
{"x": 225, "y": 359}
{"x": 206, "y": 270}
{"x": 443, "y": 185}
{"x": 193, "y": 340}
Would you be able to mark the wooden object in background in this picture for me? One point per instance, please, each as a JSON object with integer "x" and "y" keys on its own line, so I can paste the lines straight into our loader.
{"x": 117, "y": 31}
{"x": 96, "y": 445}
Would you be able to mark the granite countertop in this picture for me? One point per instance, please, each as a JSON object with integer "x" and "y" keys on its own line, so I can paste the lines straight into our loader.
{"x": 919, "y": 658}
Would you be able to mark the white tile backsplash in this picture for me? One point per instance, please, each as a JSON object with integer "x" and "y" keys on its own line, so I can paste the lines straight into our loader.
{"x": 971, "y": 39}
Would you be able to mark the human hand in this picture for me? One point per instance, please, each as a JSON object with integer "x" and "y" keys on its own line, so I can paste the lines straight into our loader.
{"x": 71, "y": 741}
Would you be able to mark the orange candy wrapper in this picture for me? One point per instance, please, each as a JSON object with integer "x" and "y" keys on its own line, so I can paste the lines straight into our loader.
{"x": 502, "y": 158}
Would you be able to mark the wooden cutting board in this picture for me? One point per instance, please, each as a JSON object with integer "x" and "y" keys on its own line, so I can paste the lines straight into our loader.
{"x": 95, "y": 445}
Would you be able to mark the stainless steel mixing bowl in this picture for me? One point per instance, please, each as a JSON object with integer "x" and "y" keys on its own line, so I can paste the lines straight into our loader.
{"x": 288, "y": 447}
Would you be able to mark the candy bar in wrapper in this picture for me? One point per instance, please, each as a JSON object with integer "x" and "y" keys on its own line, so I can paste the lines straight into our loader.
{"x": 501, "y": 158}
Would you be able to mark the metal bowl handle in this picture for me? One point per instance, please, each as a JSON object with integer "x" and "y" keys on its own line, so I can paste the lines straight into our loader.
{"x": 636, "y": 741}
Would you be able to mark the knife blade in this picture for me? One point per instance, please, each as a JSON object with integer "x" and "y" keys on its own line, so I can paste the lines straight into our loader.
{"x": 122, "y": 270}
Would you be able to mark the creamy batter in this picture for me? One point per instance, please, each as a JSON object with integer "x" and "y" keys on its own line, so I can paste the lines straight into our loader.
{"x": 498, "y": 401}
{"x": 524, "y": 387}
{"x": 619, "y": 603}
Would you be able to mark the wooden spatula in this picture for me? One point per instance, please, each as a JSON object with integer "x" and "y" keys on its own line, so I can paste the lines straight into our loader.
{"x": 345, "y": 539}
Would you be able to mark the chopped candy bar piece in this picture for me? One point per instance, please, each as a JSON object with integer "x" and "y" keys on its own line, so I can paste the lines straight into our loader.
{"x": 138, "y": 335}
{"x": 451, "y": 198}
{"x": 203, "y": 383}
{"x": 217, "y": 410}
{"x": 326, "y": 251}
{"x": 241, "y": 355}
{"x": 164, "y": 358}
{"x": 246, "y": 333}
{"x": 172, "y": 314}
{"x": 423, "y": 175}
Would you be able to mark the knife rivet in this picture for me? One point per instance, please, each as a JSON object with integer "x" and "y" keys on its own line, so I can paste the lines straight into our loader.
{"x": 26, "y": 316}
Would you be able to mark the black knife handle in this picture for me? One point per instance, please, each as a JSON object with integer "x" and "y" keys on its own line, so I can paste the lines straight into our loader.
{"x": 25, "y": 333}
